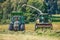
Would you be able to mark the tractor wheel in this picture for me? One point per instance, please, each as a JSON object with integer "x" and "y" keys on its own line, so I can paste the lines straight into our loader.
{"x": 11, "y": 27}
{"x": 22, "y": 27}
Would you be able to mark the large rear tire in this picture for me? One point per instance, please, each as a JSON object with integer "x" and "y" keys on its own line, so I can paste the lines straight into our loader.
{"x": 22, "y": 27}
{"x": 11, "y": 27}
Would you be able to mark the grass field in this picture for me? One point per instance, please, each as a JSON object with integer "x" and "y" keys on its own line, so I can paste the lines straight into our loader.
{"x": 25, "y": 37}
{"x": 56, "y": 25}
{"x": 29, "y": 34}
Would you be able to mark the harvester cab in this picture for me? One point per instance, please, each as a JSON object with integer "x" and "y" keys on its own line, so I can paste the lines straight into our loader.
{"x": 17, "y": 21}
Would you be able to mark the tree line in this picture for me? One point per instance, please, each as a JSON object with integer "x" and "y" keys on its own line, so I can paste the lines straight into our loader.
{"x": 7, "y": 6}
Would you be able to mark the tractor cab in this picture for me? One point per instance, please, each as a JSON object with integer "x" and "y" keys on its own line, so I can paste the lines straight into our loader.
{"x": 44, "y": 21}
{"x": 17, "y": 21}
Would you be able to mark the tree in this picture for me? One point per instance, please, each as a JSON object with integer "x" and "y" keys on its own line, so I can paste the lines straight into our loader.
{"x": 24, "y": 2}
{"x": 1, "y": 1}
{"x": 7, "y": 10}
{"x": 1, "y": 9}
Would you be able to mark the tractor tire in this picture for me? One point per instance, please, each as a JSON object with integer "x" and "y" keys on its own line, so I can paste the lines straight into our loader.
{"x": 11, "y": 27}
{"x": 22, "y": 27}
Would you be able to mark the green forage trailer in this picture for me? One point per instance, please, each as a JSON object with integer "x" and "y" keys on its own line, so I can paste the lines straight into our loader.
{"x": 56, "y": 22}
{"x": 55, "y": 18}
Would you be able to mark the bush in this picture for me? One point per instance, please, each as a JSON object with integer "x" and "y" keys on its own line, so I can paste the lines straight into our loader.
{"x": 7, "y": 21}
{"x": 3, "y": 21}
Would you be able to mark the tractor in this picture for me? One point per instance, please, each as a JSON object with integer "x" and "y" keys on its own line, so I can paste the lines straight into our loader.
{"x": 17, "y": 21}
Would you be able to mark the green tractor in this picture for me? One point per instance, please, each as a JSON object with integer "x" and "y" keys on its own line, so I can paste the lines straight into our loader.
{"x": 17, "y": 21}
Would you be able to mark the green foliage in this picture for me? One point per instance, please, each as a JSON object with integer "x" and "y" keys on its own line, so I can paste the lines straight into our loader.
{"x": 36, "y": 4}
{"x": 1, "y": 1}
{"x": 5, "y": 21}
{"x": 29, "y": 13}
